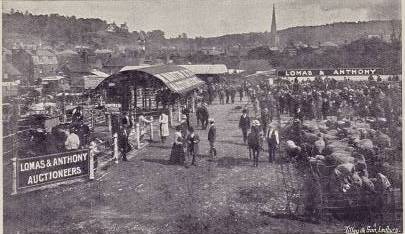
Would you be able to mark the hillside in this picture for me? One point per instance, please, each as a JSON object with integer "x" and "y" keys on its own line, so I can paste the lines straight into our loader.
{"x": 55, "y": 29}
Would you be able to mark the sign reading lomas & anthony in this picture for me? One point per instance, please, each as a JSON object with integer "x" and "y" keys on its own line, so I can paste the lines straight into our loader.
{"x": 52, "y": 168}
{"x": 330, "y": 72}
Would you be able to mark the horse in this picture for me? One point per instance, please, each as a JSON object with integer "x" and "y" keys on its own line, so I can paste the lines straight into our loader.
{"x": 255, "y": 144}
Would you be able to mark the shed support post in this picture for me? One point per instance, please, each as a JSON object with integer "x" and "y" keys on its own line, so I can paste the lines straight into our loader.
{"x": 14, "y": 183}
{"x": 179, "y": 111}
{"x": 115, "y": 151}
{"x": 171, "y": 115}
{"x": 193, "y": 102}
{"x": 137, "y": 136}
{"x": 151, "y": 128}
{"x": 91, "y": 166}
{"x": 109, "y": 122}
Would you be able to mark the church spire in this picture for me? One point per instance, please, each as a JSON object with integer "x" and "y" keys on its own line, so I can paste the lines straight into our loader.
{"x": 273, "y": 32}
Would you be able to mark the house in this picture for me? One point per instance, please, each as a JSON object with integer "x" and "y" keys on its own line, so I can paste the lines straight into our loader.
{"x": 34, "y": 64}
{"x": 81, "y": 76}
{"x": 112, "y": 28}
{"x": 74, "y": 73}
{"x": 52, "y": 84}
{"x": 101, "y": 56}
{"x": 328, "y": 45}
{"x": 11, "y": 80}
{"x": 254, "y": 65}
{"x": 291, "y": 50}
{"x": 207, "y": 72}
{"x": 116, "y": 63}
{"x": 66, "y": 55}
{"x": 45, "y": 63}
{"x": 94, "y": 79}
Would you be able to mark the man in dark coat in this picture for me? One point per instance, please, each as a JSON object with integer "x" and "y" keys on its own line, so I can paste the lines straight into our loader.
{"x": 272, "y": 142}
{"x": 212, "y": 135}
{"x": 240, "y": 89}
{"x": 244, "y": 124}
{"x": 186, "y": 112}
{"x": 204, "y": 115}
{"x": 123, "y": 142}
{"x": 126, "y": 121}
{"x": 265, "y": 118}
{"x": 227, "y": 93}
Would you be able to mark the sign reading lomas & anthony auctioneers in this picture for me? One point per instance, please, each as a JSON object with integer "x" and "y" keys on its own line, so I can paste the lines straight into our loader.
{"x": 330, "y": 72}
{"x": 46, "y": 169}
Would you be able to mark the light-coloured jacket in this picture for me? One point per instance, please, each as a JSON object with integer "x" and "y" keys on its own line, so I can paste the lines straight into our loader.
{"x": 164, "y": 125}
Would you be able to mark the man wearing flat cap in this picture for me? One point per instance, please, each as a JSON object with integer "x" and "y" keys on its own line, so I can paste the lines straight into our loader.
{"x": 244, "y": 124}
{"x": 212, "y": 135}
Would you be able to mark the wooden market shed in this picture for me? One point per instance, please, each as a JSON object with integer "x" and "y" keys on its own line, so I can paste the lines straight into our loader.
{"x": 143, "y": 88}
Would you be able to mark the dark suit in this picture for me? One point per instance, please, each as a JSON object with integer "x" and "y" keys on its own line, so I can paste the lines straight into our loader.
{"x": 244, "y": 124}
{"x": 123, "y": 143}
{"x": 212, "y": 135}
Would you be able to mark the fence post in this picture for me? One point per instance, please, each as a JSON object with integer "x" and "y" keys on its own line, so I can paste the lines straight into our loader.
{"x": 115, "y": 151}
{"x": 92, "y": 122}
{"x": 109, "y": 122}
{"x": 151, "y": 128}
{"x": 178, "y": 112}
{"x": 193, "y": 103}
{"x": 91, "y": 167}
{"x": 171, "y": 116}
{"x": 14, "y": 184}
{"x": 133, "y": 121}
{"x": 137, "y": 136}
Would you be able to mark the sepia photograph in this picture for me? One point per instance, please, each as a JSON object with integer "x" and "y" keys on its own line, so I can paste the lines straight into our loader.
{"x": 202, "y": 117}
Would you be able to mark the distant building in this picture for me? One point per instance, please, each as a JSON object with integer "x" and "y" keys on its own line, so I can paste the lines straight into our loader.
{"x": 212, "y": 51}
{"x": 66, "y": 56}
{"x": 274, "y": 39}
{"x": 34, "y": 64}
{"x": 112, "y": 28}
{"x": 116, "y": 63}
{"x": 254, "y": 65}
{"x": 52, "y": 84}
{"x": 11, "y": 79}
{"x": 207, "y": 72}
{"x": 290, "y": 50}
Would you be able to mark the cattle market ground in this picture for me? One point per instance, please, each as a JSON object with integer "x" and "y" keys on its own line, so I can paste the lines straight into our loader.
{"x": 146, "y": 195}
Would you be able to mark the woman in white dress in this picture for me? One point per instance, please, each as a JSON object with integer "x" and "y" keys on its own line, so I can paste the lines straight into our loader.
{"x": 164, "y": 126}
{"x": 143, "y": 122}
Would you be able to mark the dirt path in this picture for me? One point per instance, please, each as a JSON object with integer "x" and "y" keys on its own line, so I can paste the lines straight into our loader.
{"x": 146, "y": 195}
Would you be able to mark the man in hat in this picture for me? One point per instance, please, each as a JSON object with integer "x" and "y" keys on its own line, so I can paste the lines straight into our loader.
{"x": 126, "y": 121}
{"x": 204, "y": 116}
{"x": 123, "y": 142}
{"x": 265, "y": 118}
{"x": 184, "y": 126}
{"x": 244, "y": 124}
{"x": 72, "y": 141}
{"x": 186, "y": 112}
{"x": 212, "y": 135}
{"x": 272, "y": 142}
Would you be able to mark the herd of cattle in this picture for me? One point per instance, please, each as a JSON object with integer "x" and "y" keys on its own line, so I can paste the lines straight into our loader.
{"x": 353, "y": 163}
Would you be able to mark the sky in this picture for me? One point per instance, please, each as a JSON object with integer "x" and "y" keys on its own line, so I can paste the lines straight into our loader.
{"x": 214, "y": 17}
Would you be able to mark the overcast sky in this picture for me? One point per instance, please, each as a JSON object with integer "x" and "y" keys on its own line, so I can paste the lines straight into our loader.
{"x": 215, "y": 17}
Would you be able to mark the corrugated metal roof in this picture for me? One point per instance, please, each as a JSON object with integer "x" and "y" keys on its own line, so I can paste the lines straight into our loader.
{"x": 128, "y": 68}
{"x": 103, "y": 51}
{"x": 52, "y": 78}
{"x": 178, "y": 79}
{"x": 211, "y": 69}
{"x": 99, "y": 73}
{"x": 91, "y": 82}
{"x": 67, "y": 52}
